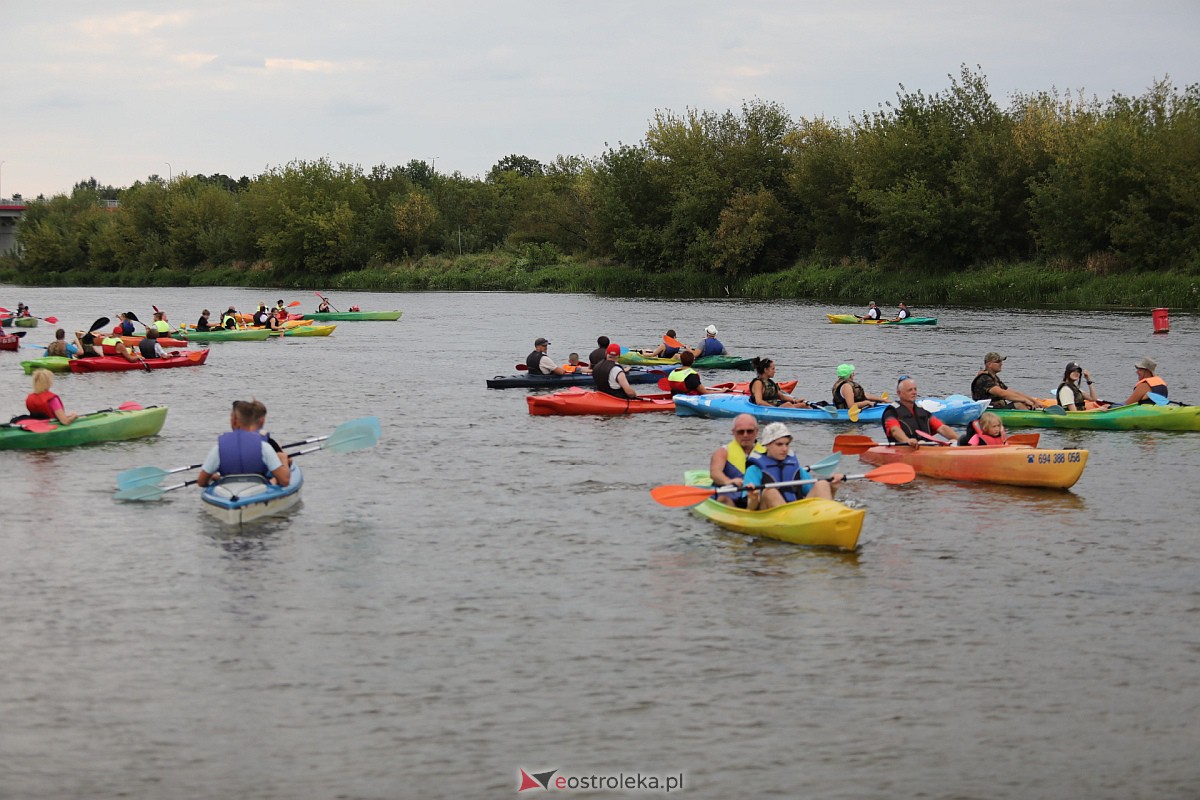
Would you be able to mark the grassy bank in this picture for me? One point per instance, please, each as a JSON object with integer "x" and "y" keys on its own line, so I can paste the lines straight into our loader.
{"x": 1023, "y": 285}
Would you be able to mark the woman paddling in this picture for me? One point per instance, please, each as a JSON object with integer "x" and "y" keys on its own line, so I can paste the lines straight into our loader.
{"x": 847, "y": 393}
{"x": 764, "y": 391}
{"x": 45, "y": 404}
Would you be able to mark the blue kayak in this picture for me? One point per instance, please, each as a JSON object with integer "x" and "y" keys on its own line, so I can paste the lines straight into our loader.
{"x": 953, "y": 410}
{"x": 238, "y": 499}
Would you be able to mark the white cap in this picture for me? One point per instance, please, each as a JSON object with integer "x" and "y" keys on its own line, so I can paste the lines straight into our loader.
{"x": 776, "y": 430}
{"x": 711, "y": 330}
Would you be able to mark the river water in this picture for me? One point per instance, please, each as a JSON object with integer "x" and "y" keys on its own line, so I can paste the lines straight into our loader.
{"x": 485, "y": 591}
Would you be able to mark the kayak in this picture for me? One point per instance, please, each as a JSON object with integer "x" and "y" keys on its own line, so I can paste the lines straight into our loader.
{"x": 953, "y": 410}
{"x": 352, "y": 316}
{"x": 10, "y": 342}
{"x": 578, "y": 402}
{"x": 851, "y": 319}
{"x": 1014, "y": 465}
{"x": 223, "y": 335}
{"x": 105, "y": 426}
{"x": 1118, "y": 418}
{"x": 707, "y": 362}
{"x": 238, "y": 499}
{"x": 165, "y": 341}
{"x": 118, "y": 364}
{"x": 815, "y": 522}
{"x": 306, "y": 329}
{"x": 18, "y": 322}
{"x": 52, "y": 363}
{"x": 527, "y": 381}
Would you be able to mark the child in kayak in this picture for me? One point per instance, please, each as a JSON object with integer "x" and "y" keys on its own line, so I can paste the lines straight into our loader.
{"x": 988, "y": 429}
{"x": 245, "y": 450}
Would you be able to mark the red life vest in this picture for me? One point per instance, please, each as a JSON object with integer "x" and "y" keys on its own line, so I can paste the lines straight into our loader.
{"x": 39, "y": 404}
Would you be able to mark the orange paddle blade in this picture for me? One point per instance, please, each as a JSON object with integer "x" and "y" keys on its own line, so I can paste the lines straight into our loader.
{"x": 293, "y": 304}
{"x": 853, "y": 444}
{"x": 670, "y": 341}
{"x": 680, "y": 496}
{"x": 891, "y": 474}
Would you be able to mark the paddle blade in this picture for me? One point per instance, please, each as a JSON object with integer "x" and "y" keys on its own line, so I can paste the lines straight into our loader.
{"x": 522, "y": 367}
{"x": 36, "y": 425}
{"x": 680, "y": 496}
{"x": 670, "y": 341}
{"x": 139, "y": 476}
{"x": 853, "y": 413}
{"x": 892, "y": 474}
{"x": 51, "y": 320}
{"x": 293, "y": 304}
{"x": 130, "y": 405}
{"x": 140, "y": 493}
{"x": 1055, "y": 411}
{"x": 853, "y": 444}
{"x": 884, "y": 395}
{"x": 1157, "y": 399}
{"x": 826, "y": 466}
{"x": 357, "y": 434}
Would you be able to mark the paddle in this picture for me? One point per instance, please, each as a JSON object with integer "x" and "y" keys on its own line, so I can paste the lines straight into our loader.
{"x": 138, "y": 476}
{"x": 1158, "y": 399}
{"x": 47, "y": 425}
{"x": 1055, "y": 410}
{"x": 671, "y": 341}
{"x": 365, "y": 435}
{"x": 17, "y": 334}
{"x": 855, "y": 444}
{"x": 683, "y": 496}
{"x": 326, "y": 299}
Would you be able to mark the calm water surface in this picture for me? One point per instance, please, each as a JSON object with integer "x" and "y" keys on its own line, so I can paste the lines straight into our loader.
{"x": 486, "y": 591}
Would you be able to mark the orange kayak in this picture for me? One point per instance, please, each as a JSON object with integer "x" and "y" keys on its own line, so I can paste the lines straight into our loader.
{"x": 1014, "y": 465}
{"x": 578, "y": 402}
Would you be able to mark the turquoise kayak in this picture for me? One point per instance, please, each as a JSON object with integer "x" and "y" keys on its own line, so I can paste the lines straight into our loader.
{"x": 953, "y": 410}
{"x": 238, "y": 499}
{"x": 352, "y": 316}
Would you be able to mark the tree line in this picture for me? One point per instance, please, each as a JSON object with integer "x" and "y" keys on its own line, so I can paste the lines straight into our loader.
{"x": 931, "y": 182}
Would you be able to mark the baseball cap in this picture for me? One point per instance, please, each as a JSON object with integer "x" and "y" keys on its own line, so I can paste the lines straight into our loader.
{"x": 845, "y": 370}
{"x": 994, "y": 356}
{"x": 538, "y": 342}
{"x": 1073, "y": 367}
{"x": 711, "y": 330}
{"x": 613, "y": 349}
{"x": 776, "y": 430}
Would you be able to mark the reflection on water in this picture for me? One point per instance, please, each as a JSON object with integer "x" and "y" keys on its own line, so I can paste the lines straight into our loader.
{"x": 485, "y": 590}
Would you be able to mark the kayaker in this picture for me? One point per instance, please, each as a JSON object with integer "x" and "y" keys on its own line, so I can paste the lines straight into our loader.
{"x": 764, "y": 391}
{"x": 988, "y": 429}
{"x": 260, "y": 316}
{"x": 202, "y": 323}
{"x": 45, "y": 404}
{"x": 538, "y": 362}
{"x": 727, "y": 467}
{"x": 323, "y": 306}
{"x": 665, "y": 350}
{"x": 160, "y": 322}
{"x": 988, "y": 386}
{"x": 1148, "y": 382}
{"x": 87, "y": 344}
{"x": 61, "y": 347}
{"x": 124, "y": 326}
{"x": 904, "y": 420}
{"x": 711, "y": 346}
{"x": 847, "y": 393}
{"x": 575, "y": 365}
{"x": 274, "y": 322}
{"x": 1070, "y": 396}
{"x": 118, "y": 345}
{"x": 280, "y": 308}
{"x": 127, "y": 327}
{"x": 873, "y": 311}
{"x": 245, "y": 450}
{"x": 22, "y": 310}
{"x": 609, "y": 376}
{"x": 149, "y": 346}
{"x": 229, "y": 320}
{"x": 778, "y": 465}
{"x": 597, "y": 356}
{"x": 903, "y": 313}
{"x": 685, "y": 380}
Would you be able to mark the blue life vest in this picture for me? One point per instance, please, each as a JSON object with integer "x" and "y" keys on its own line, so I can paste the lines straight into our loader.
{"x": 711, "y": 347}
{"x": 127, "y": 328}
{"x": 782, "y": 471}
{"x": 241, "y": 453}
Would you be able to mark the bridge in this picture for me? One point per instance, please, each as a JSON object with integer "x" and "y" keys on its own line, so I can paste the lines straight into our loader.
{"x": 11, "y": 211}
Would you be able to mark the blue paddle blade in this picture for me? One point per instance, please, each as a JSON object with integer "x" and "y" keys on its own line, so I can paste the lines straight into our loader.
{"x": 1157, "y": 399}
{"x": 826, "y": 467}
{"x": 139, "y": 476}
{"x": 354, "y": 435}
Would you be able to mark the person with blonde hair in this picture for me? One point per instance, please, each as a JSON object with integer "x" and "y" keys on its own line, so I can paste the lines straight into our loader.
{"x": 45, "y": 404}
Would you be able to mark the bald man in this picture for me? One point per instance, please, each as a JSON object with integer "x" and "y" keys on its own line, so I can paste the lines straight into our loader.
{"x": 904, "y": 421}
{"x": 728, "y": 464}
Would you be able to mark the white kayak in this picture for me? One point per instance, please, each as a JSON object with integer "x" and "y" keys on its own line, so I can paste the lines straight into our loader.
{"x": 238, "y": 499}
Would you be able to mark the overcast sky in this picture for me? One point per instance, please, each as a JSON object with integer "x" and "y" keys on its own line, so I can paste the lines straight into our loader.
{"x": 120, "y": 90}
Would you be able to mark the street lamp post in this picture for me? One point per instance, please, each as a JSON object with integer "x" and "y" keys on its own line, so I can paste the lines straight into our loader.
{"x": 433, "y": 169}
{"x": 170, "y": 173}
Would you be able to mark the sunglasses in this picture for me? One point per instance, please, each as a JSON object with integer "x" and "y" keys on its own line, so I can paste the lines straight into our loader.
{"x": 745, "y": 430}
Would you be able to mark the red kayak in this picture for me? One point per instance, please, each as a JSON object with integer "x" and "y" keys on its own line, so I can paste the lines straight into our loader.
{"x": 10, "y": 342}
{"x": 578, "y": 402}
{"x": 118, "y": 364}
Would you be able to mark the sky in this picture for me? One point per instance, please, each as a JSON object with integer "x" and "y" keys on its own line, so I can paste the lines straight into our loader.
{"x": 121, "y": 91}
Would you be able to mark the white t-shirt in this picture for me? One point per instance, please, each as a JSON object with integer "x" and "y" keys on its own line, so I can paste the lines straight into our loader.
{"x": 212, "y": 462}
{"x": 1066, "y": 397}
{"x": 547, "y": 365}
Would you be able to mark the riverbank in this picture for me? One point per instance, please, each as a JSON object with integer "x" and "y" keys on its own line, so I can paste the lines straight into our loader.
{"x": 1021, "y": 285}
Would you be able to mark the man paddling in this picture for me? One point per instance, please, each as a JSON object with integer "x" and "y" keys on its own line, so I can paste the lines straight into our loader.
{"x": 903, "y": 313}
{"x": 538, "y": 362}
{"x": 711, "y": 346}
{"x": 988, "y": 386}
{"x": 727, "y": 467}
{"x": 873, "y": 312}
{"x": 904, "y": 421}
{"x": 1149, "y": 382}
{"x": 244, "y": 450}
{"x": 609, "y": 375}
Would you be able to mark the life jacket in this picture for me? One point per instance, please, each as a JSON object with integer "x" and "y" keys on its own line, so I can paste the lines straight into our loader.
{"x": 147, "y": 346}
{"x": 839, "y": 401}
{"x": 980, "y": 387}
{"x": 1157, "y": 386}
{"x": 711, "y": 347}
{"x": 918, "y": 419}
{"x": 162, "y": 326}
{"x": 873, "y": 313}
{"x": 127, "y": 328}
{"x": 1077, "y": 398}
{"x": 678, "y": 380}
{"x": 770, "y": 392}
{"x": 39, "y": 404}
{"x": 735, "y": 458}
{"x": 670, "y": 352}
{"x": 975, "y": 437}
{"x": 57, "y": 348}
{"x": 601, "y": 376}
{"x": 241, "y": 453}
{"x": 228, "y": 321}
{"x": 782, "y": 471}
{"x": 534, "y": 362}
{"x": 260, "y": 317}
{"x": 904, "y": 314}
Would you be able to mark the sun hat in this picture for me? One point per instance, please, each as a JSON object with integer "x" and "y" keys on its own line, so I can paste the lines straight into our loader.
{"x": 994, "y": 356}
{"x": 1148, "y": 364}
{"x": 845, "y": 370}
{"x": 711, "y": 330}
{"x": 776, "y": 430}
{"x": 613, "y": 349}
{"x": 538, "y": 342}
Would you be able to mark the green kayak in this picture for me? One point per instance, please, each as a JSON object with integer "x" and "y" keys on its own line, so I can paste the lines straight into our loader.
{"x": 52, "y": 363}
{"x": 351, "y": 316}
{"x": 105, "y": 426}
{"x": 854, "y": 319}
{"x": 707, "y": 362}
{"x": 223, "y": 335}
{"x": 1118, "y": 418}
